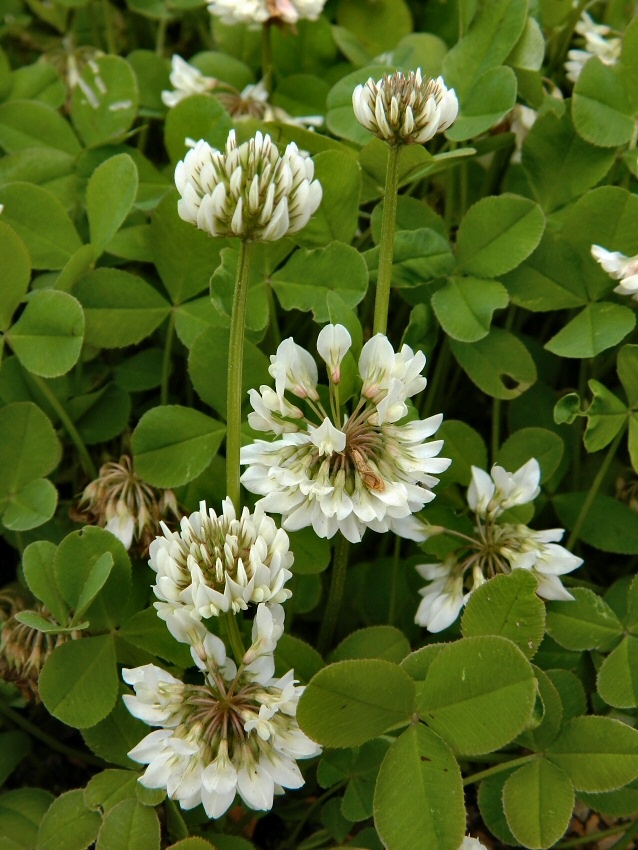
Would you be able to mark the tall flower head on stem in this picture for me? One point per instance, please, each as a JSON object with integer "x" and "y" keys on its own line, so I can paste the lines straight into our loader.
{"x": 497, "y": 547}
{"x": 620, "y": 267}
{"x": 337, "y": 470}
{"x": 248, "y": 191}
{"x": 236, "y": 733}
{"x": 260, "y": 11}
{"x": 216, "y": 564}
{"x": 404, "y": 110}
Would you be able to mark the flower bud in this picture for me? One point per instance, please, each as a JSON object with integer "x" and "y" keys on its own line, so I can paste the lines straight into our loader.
{"x": 250, "y": 191}
{"x": 405, "y": 110}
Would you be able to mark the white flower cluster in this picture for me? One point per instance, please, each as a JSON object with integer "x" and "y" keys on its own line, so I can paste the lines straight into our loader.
{"x": 596, "y": 43}
{"x": 249, "y": 191}
{"x": 344, "y": 472}
{"x": 216, "y": 564}
{"x": 186, "y": 80}
{"x": 620, "y": 267}
{"x": 496, "y": 548}
{"x": 472, "y": 844}
{"x": 259, "y": 11}
{"x": 234, "y": 734}
{"x": 405, "y": 110}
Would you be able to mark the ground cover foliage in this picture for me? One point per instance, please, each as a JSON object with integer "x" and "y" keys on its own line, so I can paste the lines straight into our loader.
{"x": 519, "y": 702}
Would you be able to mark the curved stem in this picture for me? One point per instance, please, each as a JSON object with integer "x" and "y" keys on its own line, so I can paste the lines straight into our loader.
{"x": 166, "y": 360}
{"x": 65, "y": 419}
{"x": 499, "y": 768}
{"x": 593, "y": 491}
{"x": 235, "y": 366}
{"x": 392, "y": 604}
{"x": 335, "y": 594}
{"x": 234, "y": 636}
{"x": 386, "y": 243}
{"x": 18, "y": 720}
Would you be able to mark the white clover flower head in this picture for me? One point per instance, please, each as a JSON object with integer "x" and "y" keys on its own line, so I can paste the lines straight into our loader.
{"x": 272, "y": 412}
{"x": 254, "y": 12}
{"x": 596, "y": 42}
{"x": 619, "y": 267}
{"x": 236, "y": 733}
{"x": 186, "y": 80}
{"x": 404, "y": 110}
{"x": 346, "y": 471}
{"x": 216, "y": 564}
{"x": 249, "y": 191}
{"x": 497, "y": 548}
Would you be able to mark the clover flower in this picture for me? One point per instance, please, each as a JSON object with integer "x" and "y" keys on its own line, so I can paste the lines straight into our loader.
{"x": 497, "y": 547}
{"x": 339, "y": 471}
{"x": 620, "y": 267}
{"x": 596, "y": 43}
{"x": 404, "y": 110}
{"x": 122, "y": 503}
{"x": 236, "y": 733}
{"x": 186, "y": 80}
{"x": 216, "y": 564}
{"x": 259, "y": 11}
{"x": 250, "y": 191}
{"x": 471, "y": 844}
{"x": 23, "y": 649}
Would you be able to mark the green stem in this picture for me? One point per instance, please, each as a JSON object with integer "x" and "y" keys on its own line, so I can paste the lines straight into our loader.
{"x": 108, "y": 26}
{"x": 18, "y": 720}
{"x": 593, "y": 490}
{"x": 593, "y": 837}
{"x": 498, "y": 768}
{"x": 292, "y": 840}
{"x": 335, "y": 594}
{"x": 386, "y": 243}
{"x": 160, "y": 38}
{"x": 266, "y": 58}
{"x": 166, "y": 360}
{"x": 496, "y": 427}
{"x": 235, "y": 365}
{"x": 72, "y": 431}
{"x": 234, "y": 636}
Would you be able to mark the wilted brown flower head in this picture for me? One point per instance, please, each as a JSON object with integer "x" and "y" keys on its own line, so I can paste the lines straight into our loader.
{"x": 119, "y": 501}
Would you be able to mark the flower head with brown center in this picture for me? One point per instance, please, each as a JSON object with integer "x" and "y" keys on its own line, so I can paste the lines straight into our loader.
{"x": 337, "y": 471}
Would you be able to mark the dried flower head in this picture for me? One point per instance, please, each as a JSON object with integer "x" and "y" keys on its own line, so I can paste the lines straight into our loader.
{"x": 119, "y": 501}
{"x": 250, "y": 191}
{"x": 496, "y": 548}
{"x": 338, "y": 471}
{"x": 219, "y": 563}
{"x": 236, "y": 733}
{"x": 254, "y": 12}
{"x": 405, "y": 110}
{"x": 23, "y": 650}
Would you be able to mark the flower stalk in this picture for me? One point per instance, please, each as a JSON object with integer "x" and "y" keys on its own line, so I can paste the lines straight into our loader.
{"x": 335, "y": 594}
{"x": 386, "y": 244}
{"x": 235, "y": 368}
